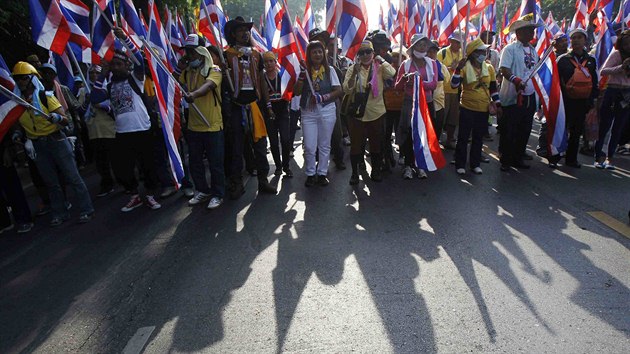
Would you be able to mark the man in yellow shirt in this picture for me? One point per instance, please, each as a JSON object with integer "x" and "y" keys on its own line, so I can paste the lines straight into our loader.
{"x": 450, "y": 57}
{"x": 205, "y": 132}
{"x": 53, "y": 151}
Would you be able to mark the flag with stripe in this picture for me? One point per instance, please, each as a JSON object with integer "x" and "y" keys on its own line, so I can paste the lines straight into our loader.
{"x": 426, "y": 147}
{"x": 353, "y": 25}
{"x": 623, "y": 16}
{"x": 273, "y": 16}
{"x": 287, "y": 51}
{"x": 158, "y": 37}
{"x": 169, "y": 99}
{"x": 103, "y": 38}
{"x": 10, "y": 111}
{"x": 65, "y": 71}
{"x": 302, "y": 38}
{"x": 212, "y": 19}
{"x": 546, "y": 82}
{"x": 78, "y": 16}
{"x": 49, "y": 27}
{"x": 580, "y": 19}
{"x": 258, "y": 41}
{"x": 308, "y": 21}
{"x": 130, "y": 21}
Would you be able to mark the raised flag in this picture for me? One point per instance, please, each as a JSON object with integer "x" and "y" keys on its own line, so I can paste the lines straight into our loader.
{"x": 130, "y": 22}
{"x": 552, "y": 25}
{"x": 177, "y": 42}
{"x": 580, "y": 19}
{"x": 287, "y": 51}
{"x": 332, "y": 15}
{"x": 308, "y": 22}
{"x": 80, "y": 13}
{"x": 353, "y": 25}
{"x": 606, "y": 5}
{"x": 488, "y": 19}
{"x": 212, "y": 20}
{"x": 502, "y": 38}
{"x": 546, "y": 82}
{"x": 169, "y": 98}
{"x": 302, "y": 37}
{"x": 449, "y": 19}
{"x": 78, "y": 16}
{"x": 49, "y": 27}
{"x": 623, "y": 16}
{"x": 10, "y": 111}
{"x": 258, "y": 41}
{"x": 181, "y": 28}
{"x": 65, "y": 71}
{"x": 381, "y": 19}
{"x": 273, "y": 17}
{"x": 158, "y": 37}
{"x": 393, "y": 23}
{"x": 604, "y": 39}
{"x": 103, "y": 39}
{"x": 527, "y": 7}
{"x": 412, "y": 19}
{"x": 426, "y": 147}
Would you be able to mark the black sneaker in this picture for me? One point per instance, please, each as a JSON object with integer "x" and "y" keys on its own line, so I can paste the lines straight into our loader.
{"x": 322, "y": 180}
{"x": 105, "y": 191}
{"x": 310, "y": 181}
{"x": 287, "y": 172}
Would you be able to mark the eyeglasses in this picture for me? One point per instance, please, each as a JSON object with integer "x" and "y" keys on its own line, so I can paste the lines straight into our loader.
{"x": 365, "y": 52}
{"x": 22, "y": 78}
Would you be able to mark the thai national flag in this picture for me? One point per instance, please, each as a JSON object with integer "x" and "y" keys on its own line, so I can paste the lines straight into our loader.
{"x": 103, "y": 38}
{"x": 333, "y": 12}
{"x": 78, "y": 16}
{"x": 258, "y": 41}
{"x": 488, "y": 19}
{"x": 393, "y": 23}
{"x": 604, "y": 39}
{"x": 181, "y": 28}
{"x": 10, "y": 111}
{"x": 176, "y": 40}
{"x": 353, "y": 25}
{"x": 412, "y": 19}
{"x": 130, "y": 22}
{"x": 547, "y": 84}
{"x": 169, "y": 99}
{"x": 527, "y": 7}
{"x": 624, "y": 13}
{"x": 449, "y": 19}
{"x": 273, "y": 16}
{"x": 157, "y": 36}
{"x": 552, "y": 25}
{"x": 287, "y": 57}
{"x": 381, "y": 19}
{"x": 502, "y": 38}
{"x": 606, "y": 5}
{"x": 309, "y": 20}
{"x": 65, "y": 71}
{"x": 302, "y": 37}
{"x": 49, "y": 27}
{"x": 580, "y": 19}
{"x": 426, "y": 147}
{"x": 212, "y": 19}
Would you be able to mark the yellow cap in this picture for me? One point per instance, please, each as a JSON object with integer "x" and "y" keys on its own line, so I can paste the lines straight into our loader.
{"x": 24, "y": 68}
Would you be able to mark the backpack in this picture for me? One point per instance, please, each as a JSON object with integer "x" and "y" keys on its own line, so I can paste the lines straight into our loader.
{"x": 580, "y": 84}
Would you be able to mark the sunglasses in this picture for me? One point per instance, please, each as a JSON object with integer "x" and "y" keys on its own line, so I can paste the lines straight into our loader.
{"x": 365, "y": 52}
{"x": 22, "y": 78}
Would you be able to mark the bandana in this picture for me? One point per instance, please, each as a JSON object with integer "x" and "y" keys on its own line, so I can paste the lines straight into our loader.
{"x": 319, "y": 74}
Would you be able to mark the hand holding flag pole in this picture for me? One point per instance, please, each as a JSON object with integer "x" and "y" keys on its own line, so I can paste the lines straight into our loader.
{"x": 161, "y": 64}
{"x": 19, "y": 100}
{"x": 109, "y": 22}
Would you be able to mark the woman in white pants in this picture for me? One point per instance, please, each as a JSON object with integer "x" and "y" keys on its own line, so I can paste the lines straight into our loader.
{"x": 318, "y": 112}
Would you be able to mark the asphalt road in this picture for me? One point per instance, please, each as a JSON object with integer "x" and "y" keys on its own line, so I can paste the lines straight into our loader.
{"x": 502, "y": 262}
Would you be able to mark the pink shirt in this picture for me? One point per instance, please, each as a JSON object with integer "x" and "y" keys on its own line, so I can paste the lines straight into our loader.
{"x": 614, "y": 70}
{"x": 429, "y": 86}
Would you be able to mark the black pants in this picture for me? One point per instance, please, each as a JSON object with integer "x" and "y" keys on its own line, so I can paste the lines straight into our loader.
{"x": 575, "y": 116}
{"x": 12, "y": 194}
{"x": 279, "y": 132}
{"x": 516, "y": 127}
{"x": 336, "y": 142}
{"x": 470, "y": 122}
{"x": 133, "y": 149}
{"x": 103, "y": 154}
{"x": 238, "y": 140}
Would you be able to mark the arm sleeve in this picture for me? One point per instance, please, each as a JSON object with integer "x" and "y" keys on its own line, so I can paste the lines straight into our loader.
{"x": 431, "y": 85}
{"x": 612, "y": 65}
{"x": 400, "y": 82}
{"x": 346, "y": 82}
{"x": 334, "y": 79}
{"x": 507, "y": 58}
{"x": 388, "y": 71}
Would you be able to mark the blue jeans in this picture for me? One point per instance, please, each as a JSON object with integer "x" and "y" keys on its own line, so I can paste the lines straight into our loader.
{"x": 212, "y": 144}
{"x": 55, "y": 154}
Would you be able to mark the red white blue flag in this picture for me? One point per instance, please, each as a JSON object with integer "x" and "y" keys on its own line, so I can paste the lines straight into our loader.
{"x": 130, "y": 22}
{"x": 624, "y": 13}
{"x": 49, "y": 27}
{"x": 158, "y": 37}
{"x": 580, "y": 19}
{"x": 287, "y": 50}
{"x": 212, "y": 19}
{"x": 103, "y": 38}
{"x": 78, "y": 16}
{"x": 309, "y": 20}
{"x": 258, "y": 41}
{"x": 274, "y": 13}
{"x": 353, "y": 25}
{"x": 169, "y": 99}
{"x": 302, "y": 37}
{"x": 546, "y": 82}
{"x": 426, "y": 147}
{"x": 10, "y": 111}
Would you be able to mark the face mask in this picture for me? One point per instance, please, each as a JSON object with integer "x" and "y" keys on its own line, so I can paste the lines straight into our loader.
{"x": 195, "y": 63}
{"x": 481, "y": 58}
{"x": 418, "y": 54}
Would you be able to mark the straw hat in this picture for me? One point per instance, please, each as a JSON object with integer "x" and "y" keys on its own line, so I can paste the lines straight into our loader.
{"x": 524, "y": 22}
{"x": 476, "y": 44}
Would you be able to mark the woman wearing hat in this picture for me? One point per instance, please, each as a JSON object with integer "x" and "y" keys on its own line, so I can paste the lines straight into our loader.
{"x": 367, "y": 76}
{"x": 478, "y": 81}
{"x": 318, "y": 112}
{"x": 277, "y": 109}
{"x": 417, "y": 64}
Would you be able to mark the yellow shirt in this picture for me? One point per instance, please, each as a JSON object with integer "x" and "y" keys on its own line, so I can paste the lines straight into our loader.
{"x": 209, "y": 105}
{"x": 375, "y": 107}
{"x": 438, "y": 93}
{"x": 37, "y": 126}
{"x": 476, "y": 97}
{"x": 447, "y": 57}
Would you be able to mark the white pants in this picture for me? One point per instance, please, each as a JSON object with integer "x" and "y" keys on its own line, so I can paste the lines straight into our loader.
{"x": 317, "y": 131}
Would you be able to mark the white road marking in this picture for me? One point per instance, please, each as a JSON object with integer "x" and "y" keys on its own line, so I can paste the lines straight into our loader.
{"x": 139, "y": 340}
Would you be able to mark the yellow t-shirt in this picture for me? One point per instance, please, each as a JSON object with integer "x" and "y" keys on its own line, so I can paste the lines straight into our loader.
{"x": 37, "y": 126}
{"x": 446, "y": 57}
{"x": 209, "y": 105}
{"x": 476, "y": 95}
{"x": 438, "y": 93}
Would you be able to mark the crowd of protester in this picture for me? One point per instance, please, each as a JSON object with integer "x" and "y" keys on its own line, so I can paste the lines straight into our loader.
{"x": 234, "y": 106}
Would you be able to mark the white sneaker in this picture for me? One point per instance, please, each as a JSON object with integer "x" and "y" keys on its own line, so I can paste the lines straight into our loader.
{"x": 168, "y": 191}
{"x": 477, "y": 170}
{"x": 151, "y": 203}
{"x": 461, "y": 171}
{"x": 407, "y": 173}
{"x": 215, "y": 202}
{"x": 422, "y": 174}
{"x": 199, "y": 198}
{"x": 188, "y": 192}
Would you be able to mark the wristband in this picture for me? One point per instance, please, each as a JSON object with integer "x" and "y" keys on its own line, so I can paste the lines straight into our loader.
{"x": 516, "y": 81}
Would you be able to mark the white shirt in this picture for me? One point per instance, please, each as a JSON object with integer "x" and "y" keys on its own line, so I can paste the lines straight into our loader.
{"x": 129, "y": 110}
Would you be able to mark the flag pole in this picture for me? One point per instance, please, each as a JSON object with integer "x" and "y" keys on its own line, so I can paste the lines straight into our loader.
{"x": 161, "y": 64}
{"x": 109, "y": 22}
{"x": 219, "y": 40}
{"x": 76, "y": 63}
{"x": 402, "y": 32}
{"x": 19, "y": 100}
{"x": 466, "y": 30}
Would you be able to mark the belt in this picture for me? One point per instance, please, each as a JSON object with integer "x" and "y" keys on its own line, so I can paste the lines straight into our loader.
{"x": 58, "y": 135}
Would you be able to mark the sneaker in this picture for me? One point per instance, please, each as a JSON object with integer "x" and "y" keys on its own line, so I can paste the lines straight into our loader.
{"x": 10, "y": 227}
{"x": 215, "y": 202}
{"x": 608, "y": 165}
{"x": 422, "y": 174}
{"x": 477, "y": 170}
{"x": 199, "y": 198}
{"x": 310, "y": 181}
{"x": 134, "y": 202}
{"x": 322, "y": 180}
{"x": 461, "y": 171}
{"x": 168, "y": 191}
{"x": 188, "y": 192}
{"x": 83, "y": 218}
{"x": 24, "y": 228}
{"x": 407, "y": 173}
{"x": 151, "y": 203}
{"x": 45, "y": 209}
{"x": 600, "y": 165}
{"x": 104, "y": 191}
